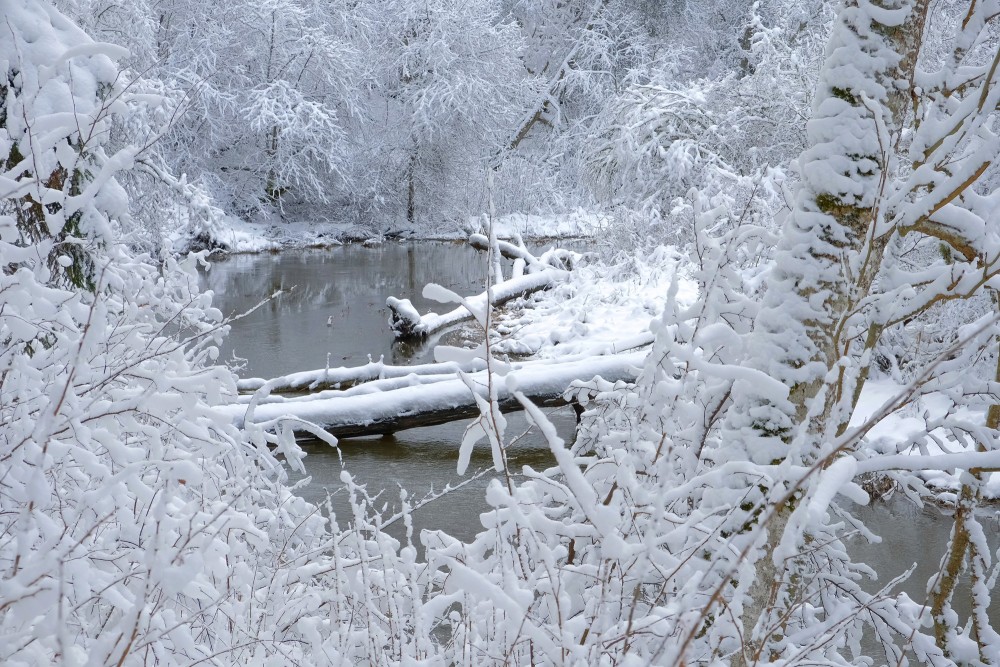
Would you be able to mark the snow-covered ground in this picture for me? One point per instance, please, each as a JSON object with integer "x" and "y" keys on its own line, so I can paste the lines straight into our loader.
{"x": 235, "y": 235}
{"x": 895, "y": 432}
{"x": 604, "y": 309}
{"x": 573, "y": 224}
{"x": 600, "y": 309}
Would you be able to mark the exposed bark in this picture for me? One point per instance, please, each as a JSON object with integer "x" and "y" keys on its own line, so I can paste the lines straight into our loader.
{"x": 944, "y": 588}
{"x": 959, "y": 546}
{"x": 946, "y": 234}
{"x": 411, "y": 190}
{"x": 434, "y": 417}
{"x": 859, "y": 217}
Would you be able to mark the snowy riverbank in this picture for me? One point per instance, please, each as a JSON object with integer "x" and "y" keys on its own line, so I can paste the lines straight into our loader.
{"x": 603, "y": 308}
{"x": 234, "y": 235}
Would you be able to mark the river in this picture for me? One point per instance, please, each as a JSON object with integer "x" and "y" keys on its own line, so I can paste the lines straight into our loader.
{"x": 347, "y": 287}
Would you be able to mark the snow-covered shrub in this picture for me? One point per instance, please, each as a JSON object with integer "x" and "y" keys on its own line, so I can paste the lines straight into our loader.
{"x": 661, "y": 136}
{"x": 256, "y": 96}
{"x": 445, "y": 90}
{"x": 699, "y": 518}
{"x": 137, "y": 525}
{"x": 652, "y": 144}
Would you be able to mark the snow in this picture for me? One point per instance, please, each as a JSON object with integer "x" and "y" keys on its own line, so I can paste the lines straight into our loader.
{"x": 376, "y": 370}
{"x": 835, "y": 479}
{"x": 940, "y": 468}
{"x": 142, "y": 520}
{"x": 573, "y": 224}
{"x": 333, "y": 409}
{"x": 408, "y": 320}
{"x": 600, "y": 308}
{"x": 242, "y": 236}
{"x": 597, "y": 310}
{"x": 234, "y": 235}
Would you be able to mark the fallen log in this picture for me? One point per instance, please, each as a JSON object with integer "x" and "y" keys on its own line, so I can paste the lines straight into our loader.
{"x": 407, "y": 322}
{"x": 508, "y": 250}
{"x": 376, "y": 386}
{"x": 376, "y": 377}
{"x": 556, "y": 258}
{"x": 345, "y": 377}
{"x": 382, "y": 412}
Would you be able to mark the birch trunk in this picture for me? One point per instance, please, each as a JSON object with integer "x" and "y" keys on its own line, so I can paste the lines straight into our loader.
{"x": 830, "y": 252}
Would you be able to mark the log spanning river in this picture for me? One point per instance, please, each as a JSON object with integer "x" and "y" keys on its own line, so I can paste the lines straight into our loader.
{"x": 336, "y": 311}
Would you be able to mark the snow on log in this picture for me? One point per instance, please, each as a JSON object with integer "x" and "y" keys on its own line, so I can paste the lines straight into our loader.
{"x": 345, "y": 377}
{"x": 371, "y": 387}
{"x": 347, "y": 415}
{"x": 558, "y": 258}
{"x": 508, "y": 250}
{"x": 406, "y": 322}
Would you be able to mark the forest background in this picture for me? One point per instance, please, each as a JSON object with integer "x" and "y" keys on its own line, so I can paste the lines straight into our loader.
{"x": 391, "y": 114}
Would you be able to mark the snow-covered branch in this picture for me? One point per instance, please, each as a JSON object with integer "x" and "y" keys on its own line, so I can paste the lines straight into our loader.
{"x": 407, "y": 322}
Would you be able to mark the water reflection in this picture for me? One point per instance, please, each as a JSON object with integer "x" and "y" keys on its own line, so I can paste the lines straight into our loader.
{"x": 916, "y": 536}
{"x": 346, "y": 286}
{"x": 423, "y": 461}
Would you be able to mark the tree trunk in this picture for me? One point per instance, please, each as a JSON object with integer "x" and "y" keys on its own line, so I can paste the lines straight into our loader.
{"x": 827, "y": 260}
{"x": 411, "y": 189}
{"x": 430, "y": 400}
{"x": 958, "y": 547}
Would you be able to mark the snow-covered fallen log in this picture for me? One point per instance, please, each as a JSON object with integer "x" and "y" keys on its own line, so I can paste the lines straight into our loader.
{"x": 558, "y": 258}
{"x": 345, "y": 377}
{"x": 530, "y": 274}
{"x": 507, "y": 250}
{"x": 407, "y": 322}
{"x": 352, "y": 414}
{"x": 370, "y": 387}
{"x": 375, "y": 377}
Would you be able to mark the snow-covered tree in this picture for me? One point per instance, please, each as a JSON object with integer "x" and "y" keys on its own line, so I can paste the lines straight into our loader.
{"x": 582, "y": 54}
{"x": 448, "y": 83}
{"x": 665, "y": 133}
{"x": 256, "y": 95}
{"x": 701, "y": 517}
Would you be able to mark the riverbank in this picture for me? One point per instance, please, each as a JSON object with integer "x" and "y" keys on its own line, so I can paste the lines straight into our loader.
{"x": 236, "y": 236}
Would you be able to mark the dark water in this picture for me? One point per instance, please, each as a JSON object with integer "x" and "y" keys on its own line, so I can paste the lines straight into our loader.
{"x": 351, "y": 283}
{"x": 346, "y": 286}
{"x": 423, "y": 461}
{"x": 918, "y": 536}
